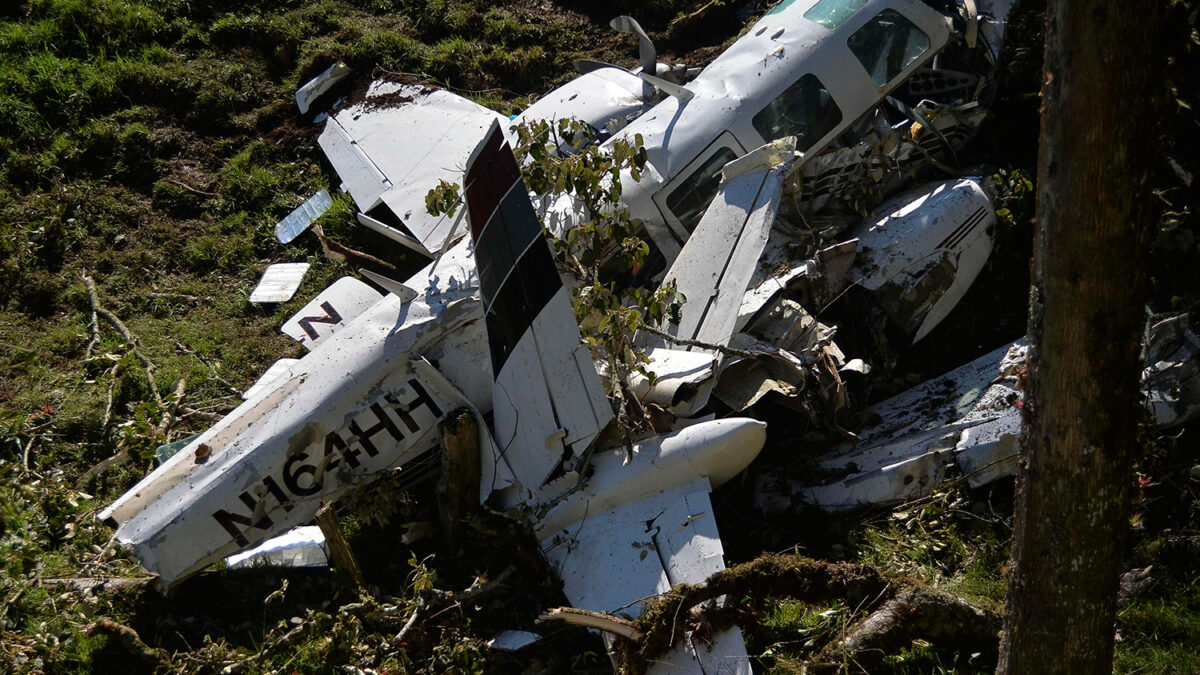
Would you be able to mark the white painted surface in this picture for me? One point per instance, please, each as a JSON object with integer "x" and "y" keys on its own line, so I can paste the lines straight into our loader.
{"x": 718, "y": 261}
{"x": 298, "y": 220}
{"x": 320, "y": 84}
{"x": 300, "y": 547}
{"x": 279, "y": 283}
{"x": 330, "y": 311}
{"x": 397, "y": 144}
{"x": 275, "y": 375}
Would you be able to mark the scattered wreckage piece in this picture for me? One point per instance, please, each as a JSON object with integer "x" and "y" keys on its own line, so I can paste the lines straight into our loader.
{"x": 279, "y": 283}
{"x": 316, "y": 87}
{"x": 969, "y": 419}
{"x": 296, "y": 222}
{"x": 1172, "y": 374}
{"x": 718, "y": 260}
{"x": 388, "y": 173}
{"x": 921, "y": 251}
{"x": 301, "y": 547}
{"x": 969, "y": 414}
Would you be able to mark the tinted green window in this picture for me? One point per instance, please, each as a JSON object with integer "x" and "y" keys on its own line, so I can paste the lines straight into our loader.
{"x": 690, "y": 200}
{"x": 832, "y": 13}
{"x": 804, "y": 110}
{"x": 888, "y": 44}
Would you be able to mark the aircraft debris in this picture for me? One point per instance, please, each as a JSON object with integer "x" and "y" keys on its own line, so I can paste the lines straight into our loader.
{"x": 298, "y": 220}
{"x": 513, "y": 640}
{"x": 314, "y": 88}
{"x": 487, "y": 326}
{"x": 968, "y": 422}
{"x": 300, "y": 547}
{"x": 279, "y": 283}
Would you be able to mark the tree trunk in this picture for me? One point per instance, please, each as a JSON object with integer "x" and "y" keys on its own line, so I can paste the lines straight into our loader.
{"x": 1095, "y": 217}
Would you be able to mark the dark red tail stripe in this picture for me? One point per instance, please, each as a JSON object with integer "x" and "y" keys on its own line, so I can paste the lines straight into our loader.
{"x": 488, "y": 179}
{"x": 517, "y": 274}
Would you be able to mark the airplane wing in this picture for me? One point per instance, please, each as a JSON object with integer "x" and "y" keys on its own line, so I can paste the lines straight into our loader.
{"x": 635, "y": 530}
{"x": 611, "y": 561}
{"x": 715, "y": 265}
{"x": 547, "y": 398}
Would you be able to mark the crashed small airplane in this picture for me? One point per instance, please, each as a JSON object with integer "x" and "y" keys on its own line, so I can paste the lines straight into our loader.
{"x": 857, "y": 87}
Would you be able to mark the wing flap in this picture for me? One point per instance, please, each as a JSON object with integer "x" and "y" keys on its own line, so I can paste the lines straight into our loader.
{"x": 741, "y": 213}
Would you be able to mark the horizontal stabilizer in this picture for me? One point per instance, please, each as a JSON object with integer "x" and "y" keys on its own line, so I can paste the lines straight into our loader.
{"x": 381, "y": 166}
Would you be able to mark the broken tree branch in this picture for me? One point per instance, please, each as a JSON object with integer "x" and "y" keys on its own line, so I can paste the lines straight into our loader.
{"x": 130, "y": 639}
{"x": 909, "y": 610}
{"x": 339, "y": 548}
{"x": 130, "y": 339}
{"x": 589, "y": 619}
{"x": 916, "y": 612}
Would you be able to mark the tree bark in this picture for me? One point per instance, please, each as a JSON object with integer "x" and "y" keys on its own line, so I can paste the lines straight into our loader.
{"x": 1095, "y": 217}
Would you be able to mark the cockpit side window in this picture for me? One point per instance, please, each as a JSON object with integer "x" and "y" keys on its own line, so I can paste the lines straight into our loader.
{"x": 805, "y": 110}
{"x": 832, "y": 13}
{"x": 887, "y": 44}
{"x": 690, "y": 200}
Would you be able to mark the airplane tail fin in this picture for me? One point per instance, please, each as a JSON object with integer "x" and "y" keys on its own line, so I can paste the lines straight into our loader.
{"x": 548, "y": 401}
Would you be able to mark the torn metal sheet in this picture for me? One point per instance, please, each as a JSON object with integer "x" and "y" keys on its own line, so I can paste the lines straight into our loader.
{"x": 298, "y": 220}
{"x": 969, "y": 416}
{"x": 300, "y": 547}
{"x": 330, "y": 311}
{"x": 314, "y": 88}
{"x": 1171, "y": 377}
{"x": 279, "y": 283}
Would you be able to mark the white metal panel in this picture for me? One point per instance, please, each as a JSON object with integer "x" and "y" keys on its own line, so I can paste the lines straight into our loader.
{"x": 279, "y": 283}
{"x": 612, "y": 561}
{"x": 320, "y": 84}
{"x": 406, "y": 138}
{"x": 330, "y": 311}
{"x": 360, "y": 177}
{"x": 299, "y": 219}
{"x": 717, "y": 262}
{"x": 275, "y": 375}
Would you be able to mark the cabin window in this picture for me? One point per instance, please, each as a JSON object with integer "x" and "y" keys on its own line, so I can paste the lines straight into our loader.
{"x": 887, "y": 44}
{"x": 805, "y": 110}
{"x": 690, "y": 200}
{"x": 833, "y": 13}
